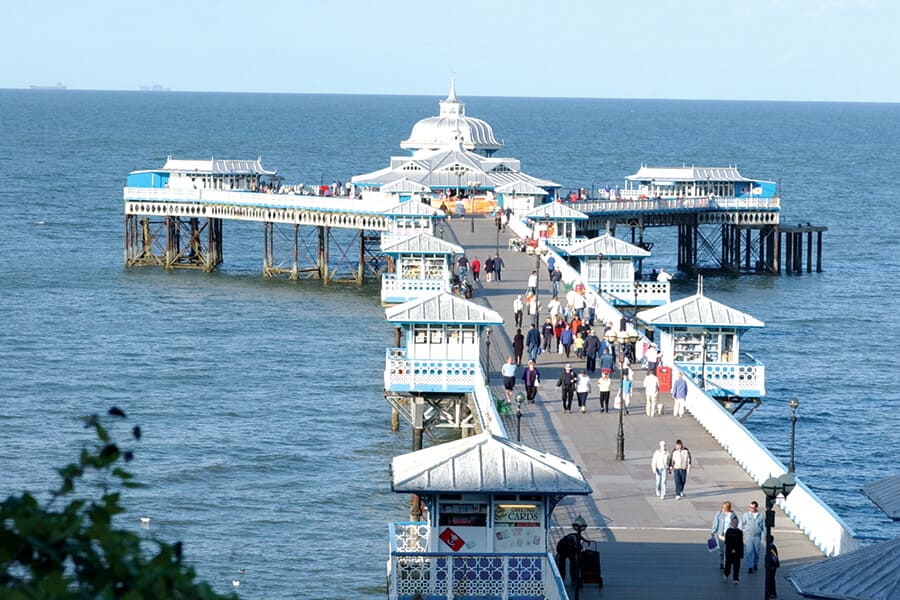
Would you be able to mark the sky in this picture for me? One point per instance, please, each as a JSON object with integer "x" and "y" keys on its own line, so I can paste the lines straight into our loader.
{"x": 810, "y": 50}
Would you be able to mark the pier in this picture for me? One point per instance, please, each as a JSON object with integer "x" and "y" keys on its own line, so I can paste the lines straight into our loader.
{"x": 649, "y": 547}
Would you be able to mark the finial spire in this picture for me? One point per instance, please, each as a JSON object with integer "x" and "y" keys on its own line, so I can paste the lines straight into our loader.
{"x": 452, "y": 95}
{"x": 699, "y": 285}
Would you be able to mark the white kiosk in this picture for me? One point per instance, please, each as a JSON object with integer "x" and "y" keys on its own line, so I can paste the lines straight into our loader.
{"x": 489, "y": 505}
{"x": 702, "y": 338}
{"x": 554, "y": 224}
{"x": 420, "y": 265}
{"x": 408, "y": 219}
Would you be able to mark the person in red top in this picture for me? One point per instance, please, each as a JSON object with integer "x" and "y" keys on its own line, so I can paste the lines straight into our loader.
{"x": 476, "y": 268}
{"x": 557, "y": 331}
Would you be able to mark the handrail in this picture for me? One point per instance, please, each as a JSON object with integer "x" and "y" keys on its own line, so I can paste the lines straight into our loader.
{"x": 703, "y": 203}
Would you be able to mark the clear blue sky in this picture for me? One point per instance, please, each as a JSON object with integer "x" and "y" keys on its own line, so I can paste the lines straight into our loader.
{"x": 847, "y": 50}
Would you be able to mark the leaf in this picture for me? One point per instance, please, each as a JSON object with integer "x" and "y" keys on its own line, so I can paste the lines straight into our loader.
{"x": 136, "y": 432}
{"x": 115, "y": 411}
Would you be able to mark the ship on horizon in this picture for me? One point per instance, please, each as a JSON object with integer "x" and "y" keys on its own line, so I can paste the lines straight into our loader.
{"x": 154, "y": 88}
{"x": 58, "y": 86}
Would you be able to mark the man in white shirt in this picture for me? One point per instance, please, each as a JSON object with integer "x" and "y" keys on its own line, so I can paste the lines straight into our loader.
{"x": 660, "y": 463}
{"x": 651, "y": 391}
{"x": 753, "y": 524}
{"x": 663, "y": 277}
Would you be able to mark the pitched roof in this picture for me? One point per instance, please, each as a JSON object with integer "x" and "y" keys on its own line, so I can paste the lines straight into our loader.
{"x": 413, "y": 208}
{"x": 520, "y": 187}
{"x": 442, "y": 307}
{"x": 646, "y": 173}
{"x": 698, "y": 310}
{"x": 554, "y": 210}
{"x": 404, "y": 185}
{"x": 606, "y": 245}
{"x": 422, "y": 244}
{"x": 885, "y": 493}
{"x": 871, "y": 573}
{"x": 486, "y": 463}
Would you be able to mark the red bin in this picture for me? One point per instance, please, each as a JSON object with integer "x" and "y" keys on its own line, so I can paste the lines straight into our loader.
{"x": 665, "y": 378}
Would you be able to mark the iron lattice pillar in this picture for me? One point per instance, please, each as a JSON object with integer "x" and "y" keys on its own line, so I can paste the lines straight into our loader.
{"x": 173, "y": 242}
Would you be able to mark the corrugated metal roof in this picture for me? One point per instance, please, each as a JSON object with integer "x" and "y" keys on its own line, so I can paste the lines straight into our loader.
{"x": 442, "y": 307}
{"x": 413, "y": 208}
{"x": 486, "y": 463}
{"x": 520, "y": 187}
{"x": 216, "y": 166}
{"x": 606, "y": 245}
{"x": 422, "y": 244}
{"x": 885, "y": 493}
{"x": 404, "y": 185}
{"x": 687, "y": 174}
{"x": 697, "y": 310}
{"x": 870, "y": 573}
{"x": 554, "y": 210}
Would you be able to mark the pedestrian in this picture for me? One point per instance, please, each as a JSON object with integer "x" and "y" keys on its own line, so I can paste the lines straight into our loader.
{"x": 659, "y": 463}
{"x": 719, "y": 525}
{"x": 772, "y": 564}
{"x": 681, "y": 466}
{"x": 591, "y": 347}
{"x": 489, "y": 269}
{"x": 627, "y": 387}
{"x": 582, "y": 389}
{"x": 603, "y": 386}
{"x": 476, "y": 268}
{"x": 508, "y": 371}
{"x": 462, "y": 263}
{"x": 651, "y": 355}
{"x": 551, "y": 264}
{"x": 607, "y": 362}
{"x": 533, "y": 343}
{"x": 578, "y": 344}
{"x": 753, "y": 525}
{"x": 566, "y": 381}
{"x": 498, "y": 266}
{"x": 734, "y": 550}
{"x": 547, "y": 334}
{"x": 651, "y": 392}
{"x": 555, "y": 280}
{"x": 518, "y": 346}
{"x": 679, "y": 393}
{"x": 532, "y": 379}
{"x": 566, "y": 338}
{"x": 518, "y": 307}
{"x": 558, "y": 326}
{"x": 554, "y": 308}
{"x": 663, "y": 277}
{"x": 534, "y": 308}
{"x": 532, "y": 283}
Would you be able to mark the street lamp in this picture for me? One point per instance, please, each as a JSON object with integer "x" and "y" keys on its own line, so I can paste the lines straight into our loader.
{"x": 519, "y": 398}
{"x": 772, "y": 488}
{"x": 487, "y": 343}
{"x": 623, "y": 337}
{"x": 538, "y": 253}
{"x": 473, "y": 185}
{"x": 794, "y": 404}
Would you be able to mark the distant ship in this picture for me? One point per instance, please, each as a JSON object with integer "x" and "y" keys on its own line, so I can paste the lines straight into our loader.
{"x": 58, "y": 86}
{"x": 154, "y": 88}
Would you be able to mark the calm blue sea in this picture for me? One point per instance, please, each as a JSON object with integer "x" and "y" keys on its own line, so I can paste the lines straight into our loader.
{"x": 267, "y": 439}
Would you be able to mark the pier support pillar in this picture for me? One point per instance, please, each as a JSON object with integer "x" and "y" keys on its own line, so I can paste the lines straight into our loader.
{"x": 819, "y": 252}
{"x": 418, "y": 419}
{"x": 322, "y": 257}
{"x": 788, "y": 252}
{"x": 809, "y": 251}
{"x": 361, "y": 265}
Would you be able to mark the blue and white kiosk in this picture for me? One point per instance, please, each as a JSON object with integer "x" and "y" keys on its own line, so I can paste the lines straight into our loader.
{"x": 489, "y": 503}
{"x": 608, "y": 264}
{"x": 554, "y": 224}
{"x": 702, "y": 338}
{"x": 422, "y": 264}
{"x": 408, "y": 219}
{"x": 441, "y": 337}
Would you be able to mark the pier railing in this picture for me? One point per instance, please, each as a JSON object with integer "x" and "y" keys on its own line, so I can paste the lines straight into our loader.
{"x": 635, "y": 203}
{"x": 820, "y": 524}
{"x": 729, "y": 379}
{"x": 395, "y": 289}
{"x": 412, "y": 570}
{"x": 403, "y": 374}
{"x": 645, "y": 293}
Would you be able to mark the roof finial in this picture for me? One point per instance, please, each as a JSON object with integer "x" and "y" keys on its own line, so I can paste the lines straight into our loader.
{"x": 452, "y": 95}
{"x": 699, "y": 285}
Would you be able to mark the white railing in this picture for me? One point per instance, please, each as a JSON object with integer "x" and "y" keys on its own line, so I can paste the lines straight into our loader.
{"x": 413, "y": 571}
{"x": 634, "y": 203}
{"x": 402, "y": 373}
{"x": 728, "y": 379}
{"x": 646, "y": 293}
{"x": 408, "y": 289}
{"x": 820, "y": 524}
{"x": 256, "y": 199}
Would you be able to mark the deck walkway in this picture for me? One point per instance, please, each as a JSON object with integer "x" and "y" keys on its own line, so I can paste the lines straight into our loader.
{"x": 650, "y": 548}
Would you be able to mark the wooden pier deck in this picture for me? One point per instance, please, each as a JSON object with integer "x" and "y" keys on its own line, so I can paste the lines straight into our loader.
{"x": 650, "y": 548}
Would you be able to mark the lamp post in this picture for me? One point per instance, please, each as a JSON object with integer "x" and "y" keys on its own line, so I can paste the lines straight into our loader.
{"x": 538, "y": 253}
{"x": 772, "y": 488}
{"x": 473, "y": 185}
{"x": 794, "y": 404}
{"x": 487, "y": 343}
{"x": 623, "y": 337}
{"x": 519, "y": 398}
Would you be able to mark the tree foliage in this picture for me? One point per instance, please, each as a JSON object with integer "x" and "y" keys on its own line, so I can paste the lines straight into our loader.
{"x": 69, "y": 548}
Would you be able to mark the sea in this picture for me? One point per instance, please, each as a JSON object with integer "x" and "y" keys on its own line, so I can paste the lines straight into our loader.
{"x": 267, "y": 440}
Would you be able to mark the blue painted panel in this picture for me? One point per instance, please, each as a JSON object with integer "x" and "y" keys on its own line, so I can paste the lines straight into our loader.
{"x": 147, "y": 180}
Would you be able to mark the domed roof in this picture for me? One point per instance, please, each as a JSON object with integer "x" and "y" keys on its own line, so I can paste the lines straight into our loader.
{"x": 451, "y": 125}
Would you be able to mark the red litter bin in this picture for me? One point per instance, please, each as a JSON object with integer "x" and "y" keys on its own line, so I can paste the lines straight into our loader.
{"x": 665, "y": 378}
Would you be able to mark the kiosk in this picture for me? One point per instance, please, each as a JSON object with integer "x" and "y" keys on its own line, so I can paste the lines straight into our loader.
{"x": 554, "y": 224}
{"x": 420, "y": 265}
